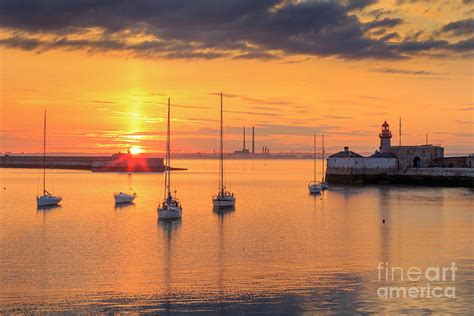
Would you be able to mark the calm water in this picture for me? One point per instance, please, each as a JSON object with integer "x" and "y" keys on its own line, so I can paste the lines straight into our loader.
{"x": 281, "y": 250}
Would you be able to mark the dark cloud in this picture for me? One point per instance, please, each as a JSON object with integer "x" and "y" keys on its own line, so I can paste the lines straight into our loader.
{"x": 357, "y": 4}
{"x": 390, "y": 36}
{"x": 21, "y": 43}
{"x": 405, "y": 71}
{"x": 414, "y": 1}
{"x": 459, "y": 28}
{"x": 463, "y": 46}
{"x": 256, "y": 55}
{"x": 386, "y": 23}
{"x": 207, "y": 29}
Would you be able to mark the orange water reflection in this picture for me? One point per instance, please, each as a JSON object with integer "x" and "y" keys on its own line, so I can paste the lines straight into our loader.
{"x": 280, "y": 249}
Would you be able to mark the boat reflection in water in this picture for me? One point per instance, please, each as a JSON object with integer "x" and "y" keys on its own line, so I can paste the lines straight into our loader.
{"x": 169, "y": 227}
{"x": 288, "y": 254}
{"x": 124, "y": 206}
{"x": 48, "y": 208}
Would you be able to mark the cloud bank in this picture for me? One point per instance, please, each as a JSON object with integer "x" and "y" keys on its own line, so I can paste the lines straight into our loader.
{"x": 208, "y": 29}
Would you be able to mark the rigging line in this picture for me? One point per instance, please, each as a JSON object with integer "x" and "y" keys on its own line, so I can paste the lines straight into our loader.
{"x": 314, "y": 156}
{"x": 44, "y": 154}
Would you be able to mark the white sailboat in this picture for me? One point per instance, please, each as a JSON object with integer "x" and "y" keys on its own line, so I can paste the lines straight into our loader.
{"x": 324, "y": 184}
{"x": 170, "y": 206}
{"x": 122, "y": 198}
{"x": 47, "y": 199}
{"x": 314, "y": 187}
{"x": 224, "y": 198}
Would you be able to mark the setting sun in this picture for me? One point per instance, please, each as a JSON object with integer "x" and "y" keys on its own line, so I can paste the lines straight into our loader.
{"x": 237, "y": 156}
{"x": 135, "y": 150}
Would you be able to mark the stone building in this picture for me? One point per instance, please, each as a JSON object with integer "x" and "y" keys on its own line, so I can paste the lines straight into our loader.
{"x": 388, "y": 156}
{"x": 415, "y": 165}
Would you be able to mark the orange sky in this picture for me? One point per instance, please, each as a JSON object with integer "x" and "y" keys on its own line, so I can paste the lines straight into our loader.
{"x": 106, "y": 101}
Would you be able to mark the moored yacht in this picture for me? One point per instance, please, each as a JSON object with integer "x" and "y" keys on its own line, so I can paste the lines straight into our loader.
{"x": 170, "y": 206}
{"x": 122, "y": 198}
{"x": 224, "y": 198}
{"x": 324, "y": 184}
{"x": 314, "y": 187}
{"x": 47, "y": 199}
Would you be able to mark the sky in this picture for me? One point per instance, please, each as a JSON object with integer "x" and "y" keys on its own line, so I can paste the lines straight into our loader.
{"x": 104, "y": 69}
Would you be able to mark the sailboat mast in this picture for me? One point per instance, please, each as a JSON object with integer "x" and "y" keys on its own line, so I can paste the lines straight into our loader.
{"x": 168, "y": 149}
{"x": 221, "y": 162}
{"x": 44, "y": 154}
{"x": 322, "y": 170}
{"x": 314, "y": 156}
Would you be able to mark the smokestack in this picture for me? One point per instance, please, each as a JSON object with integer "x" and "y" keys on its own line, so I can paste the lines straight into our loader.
{"x": 253, "y": 140}
{"x": 400, "y": 132}
{"x": 244, "y": 138}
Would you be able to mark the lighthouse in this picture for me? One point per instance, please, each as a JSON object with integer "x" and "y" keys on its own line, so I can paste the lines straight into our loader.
{"x": 385, "y": 137}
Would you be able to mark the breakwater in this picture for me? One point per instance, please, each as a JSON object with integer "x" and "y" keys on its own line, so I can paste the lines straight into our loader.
{"x": 411, "y": 176}
{"x": 114, "y": 163}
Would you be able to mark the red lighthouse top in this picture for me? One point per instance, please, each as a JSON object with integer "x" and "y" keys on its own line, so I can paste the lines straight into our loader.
{"x": 385, "y": 131}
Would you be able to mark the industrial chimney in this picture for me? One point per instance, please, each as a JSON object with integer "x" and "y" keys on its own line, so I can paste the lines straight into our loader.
{"x": 253, "y": 140}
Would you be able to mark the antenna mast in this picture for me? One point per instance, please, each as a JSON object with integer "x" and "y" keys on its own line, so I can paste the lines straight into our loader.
{"x": 314, "y": 156}
{"x": 44, "y": 154}
{"x": 400, "y": 131}
{"x": 322, "y": 170}
{"x": 167, "y": 157}
{"x": 221, "y": 162}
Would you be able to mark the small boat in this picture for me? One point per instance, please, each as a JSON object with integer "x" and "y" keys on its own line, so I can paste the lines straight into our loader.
{"x": 170, "y": 207}
{"x": 324, "y": 184}
{"x": 47, "y": 199}
{"x": 224, "y": 198}
{"x": 121, "y": 198}
{"x": 314, "y": 187}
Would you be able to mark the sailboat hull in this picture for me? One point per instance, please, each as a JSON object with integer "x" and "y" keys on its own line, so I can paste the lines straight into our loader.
{"x": 314, "y": 189}
{"x": 47, "y": 200}
{"x": 223, "y": 203}
{"x": 123, "y": 198}
{"x": 169, "y": 213}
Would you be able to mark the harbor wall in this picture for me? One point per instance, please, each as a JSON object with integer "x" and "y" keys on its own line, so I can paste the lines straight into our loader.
{"x": 414, "y": 176}
{"x": 362, "y": 163}
{"x": 455, "y": 162}
{"x": 51, "y": 162}
{"x": 93, "y": 163}
{"x": 408, "y": 156}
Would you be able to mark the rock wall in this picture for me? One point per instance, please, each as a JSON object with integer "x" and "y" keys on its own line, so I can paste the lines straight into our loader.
{"x": 407, "y": 155}
{"x": 362, "y": 163}
{"x": 413, "y": 176}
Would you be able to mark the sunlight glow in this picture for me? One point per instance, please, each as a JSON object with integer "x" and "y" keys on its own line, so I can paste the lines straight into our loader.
{"x": 135, "y": 150}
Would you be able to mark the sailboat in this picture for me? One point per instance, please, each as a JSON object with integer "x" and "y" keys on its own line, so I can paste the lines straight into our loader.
{"x": 314, "y": 187}
{"x": 223, "y": 199}
{"x": 47, "y": 199}
{"x": 324, "y": 185}
{"x": 170, "y": 206}
{"x": 124, "y": 198}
